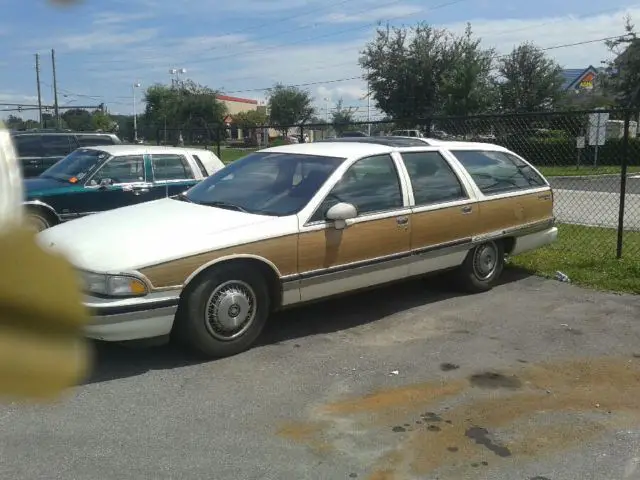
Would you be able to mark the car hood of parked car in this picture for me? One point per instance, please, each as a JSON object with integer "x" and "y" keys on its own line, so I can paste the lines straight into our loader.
{"x": 129, "y": 238}
{"x": 42, "y": 186}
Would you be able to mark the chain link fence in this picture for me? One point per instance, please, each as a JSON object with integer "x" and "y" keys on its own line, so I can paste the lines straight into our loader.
{"x": 591, "y": 159}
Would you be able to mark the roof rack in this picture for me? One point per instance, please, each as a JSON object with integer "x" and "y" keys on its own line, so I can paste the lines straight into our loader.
{"x": 389, "y": 141}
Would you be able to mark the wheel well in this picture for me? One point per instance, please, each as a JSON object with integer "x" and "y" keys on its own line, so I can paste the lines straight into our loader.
{"x": 269, "y": 275}
{"x": 508, "y": 244}
{"x": 43, "y": 212}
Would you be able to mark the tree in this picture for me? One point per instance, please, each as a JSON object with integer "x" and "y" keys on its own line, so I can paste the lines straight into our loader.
{"x": 78, "y": 120}
{"x": 528, "y": 80}
{"x": 251, "y": 119}
{"x": 623, "y": 71}
{"x": 342, "y": 118}
{"x": 103, "y": 122}
{"x": 289, "y": 106}
{"x": 184, "y": 105}
{"x": 467, "y": 86}
{"x": 418, "y": 72}
{"x": 14, "y": 122}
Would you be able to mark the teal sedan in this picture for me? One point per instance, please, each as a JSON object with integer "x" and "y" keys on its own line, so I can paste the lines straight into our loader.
{"x": 96, "y": 179}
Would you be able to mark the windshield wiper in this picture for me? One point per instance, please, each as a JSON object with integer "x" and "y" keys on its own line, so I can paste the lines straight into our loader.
{"x": 228, "y": 206}
{"x": 183, "y": 197}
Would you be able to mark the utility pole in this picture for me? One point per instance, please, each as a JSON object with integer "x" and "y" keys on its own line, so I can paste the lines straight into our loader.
{"x": 368, "y": 105}
{"x": 55, "y": 88}
{"x": 39, "y": 91}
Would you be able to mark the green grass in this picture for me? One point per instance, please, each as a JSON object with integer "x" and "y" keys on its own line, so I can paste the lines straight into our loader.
{"x": 229, "y": 155}
{"x": 584, "y": 170}
{"x": 587, "y": 255}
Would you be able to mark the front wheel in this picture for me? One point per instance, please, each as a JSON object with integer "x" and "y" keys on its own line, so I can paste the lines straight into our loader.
{"x": 225, "y": 312}
{"x": 482, "y": 267}
{"x": 36, "y": 221}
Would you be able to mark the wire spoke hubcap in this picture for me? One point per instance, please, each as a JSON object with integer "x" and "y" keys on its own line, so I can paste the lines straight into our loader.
{"x": 485, "y": 261}
{"x": 230, "y": 310}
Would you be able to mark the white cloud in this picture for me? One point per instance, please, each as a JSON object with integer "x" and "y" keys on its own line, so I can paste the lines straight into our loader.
{"x": 117, "y": 18}
{"x": 372, "y": 15}
{"x": 105, "y": 39}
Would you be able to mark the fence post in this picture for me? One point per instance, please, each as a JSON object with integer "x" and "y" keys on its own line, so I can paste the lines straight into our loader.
{"x": 623, "y": 182}
{"x": 218, "y": 142}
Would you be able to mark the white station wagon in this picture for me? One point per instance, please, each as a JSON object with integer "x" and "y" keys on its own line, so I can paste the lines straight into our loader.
{"x": 295, "y": 223}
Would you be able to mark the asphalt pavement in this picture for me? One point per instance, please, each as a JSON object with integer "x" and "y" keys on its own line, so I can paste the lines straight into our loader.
{"x": 595, "y": 200}
{"x": 536, "y": 379}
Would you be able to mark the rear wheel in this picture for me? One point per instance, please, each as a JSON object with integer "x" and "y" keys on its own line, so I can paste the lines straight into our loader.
{"x": 482, "y": 267}
{"x": 225, "y": 312}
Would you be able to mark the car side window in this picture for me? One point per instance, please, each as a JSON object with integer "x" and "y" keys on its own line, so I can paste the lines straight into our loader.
{"x": 371, "y": 185}
{"x": 432, "y": 179}
{"x": 56, "y": 145}
{"x": 124, "y": 169}
{"x": 494, "y": 173}
{"x": 171, "y": 167}
{"x": 28, "y": 145}
{"x": 532, "y": 176}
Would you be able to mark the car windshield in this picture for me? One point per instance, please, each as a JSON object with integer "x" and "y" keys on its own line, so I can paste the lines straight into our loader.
{"x": 77, "y": 165}
{"x": 265, "y": 183}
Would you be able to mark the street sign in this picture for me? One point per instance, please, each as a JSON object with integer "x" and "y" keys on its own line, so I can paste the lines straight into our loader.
{"x": 580, "y": 142}
{"x": 597, "y": 131}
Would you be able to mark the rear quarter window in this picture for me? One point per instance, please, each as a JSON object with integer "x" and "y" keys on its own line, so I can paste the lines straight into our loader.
{"x": 498, "y": 172}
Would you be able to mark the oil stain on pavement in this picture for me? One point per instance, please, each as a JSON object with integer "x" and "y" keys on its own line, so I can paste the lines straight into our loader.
{"x": 454, "y": 427}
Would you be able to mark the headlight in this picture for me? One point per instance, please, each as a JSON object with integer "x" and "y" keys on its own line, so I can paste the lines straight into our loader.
{"x": 113, "y": 285}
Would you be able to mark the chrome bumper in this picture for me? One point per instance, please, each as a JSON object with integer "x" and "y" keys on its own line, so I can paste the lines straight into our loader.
{"x": 121, "y": 319}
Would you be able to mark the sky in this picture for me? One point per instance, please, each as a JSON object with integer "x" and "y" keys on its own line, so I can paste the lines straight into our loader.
{"x": 244, "y": 47}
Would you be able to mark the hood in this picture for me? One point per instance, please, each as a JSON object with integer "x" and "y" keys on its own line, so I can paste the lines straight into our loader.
{"x": 44, "y": 186}
{"x": 154, "y": 232}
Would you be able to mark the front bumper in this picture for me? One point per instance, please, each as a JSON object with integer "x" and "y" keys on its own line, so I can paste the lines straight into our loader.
{"x": 122, "y": 319}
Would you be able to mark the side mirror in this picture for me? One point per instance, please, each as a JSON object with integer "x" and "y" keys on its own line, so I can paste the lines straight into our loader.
{"x": 340, "y": 213}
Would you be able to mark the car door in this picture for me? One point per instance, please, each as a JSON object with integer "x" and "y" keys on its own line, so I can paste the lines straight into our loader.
{"x": 444, "y": 215}
{"x": 128, "y": 185}
{"x": 373, "y": 249}
{"x": 172, "y": 174}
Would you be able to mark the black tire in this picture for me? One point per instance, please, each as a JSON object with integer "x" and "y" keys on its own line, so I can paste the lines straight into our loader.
{"x": 481, "y": 268}
{"x": 239, "y": 290}
{"x": 37, "y": 220}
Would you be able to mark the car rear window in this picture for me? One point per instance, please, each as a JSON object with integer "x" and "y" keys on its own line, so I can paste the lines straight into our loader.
{"x": 496, "y": 172}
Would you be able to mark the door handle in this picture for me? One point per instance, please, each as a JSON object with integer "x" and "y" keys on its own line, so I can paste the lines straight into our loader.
{"x": 467, "y": 209}
{"x": 402, "y": 220}
{"x": 544, "y": 196}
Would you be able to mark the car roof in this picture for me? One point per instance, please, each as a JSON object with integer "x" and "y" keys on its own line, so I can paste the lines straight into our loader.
{"x": 57, "y": 132}
{"x": 127, "y": 149}
{"x": 390, "y": 141}
{"x": 341, "y": 148}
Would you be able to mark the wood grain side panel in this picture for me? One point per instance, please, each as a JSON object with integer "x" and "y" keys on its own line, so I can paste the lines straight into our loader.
{"x": 359, "y": 242}
{"x": 443, "y": 226}
{"x": 515, "y": 211}
{"x": 282, "y": 252}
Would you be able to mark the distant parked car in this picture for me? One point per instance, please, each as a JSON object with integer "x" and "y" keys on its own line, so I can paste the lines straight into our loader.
{"x": 407, "y": 133}
{"x": 353, "y": 134}
{"x": 40, "y": 149}
{"x": 96, "y": 179}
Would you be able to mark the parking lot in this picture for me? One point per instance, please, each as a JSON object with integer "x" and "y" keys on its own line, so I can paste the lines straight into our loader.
{"x": 534, "y": 380}
{"x": 595, "y": 200}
